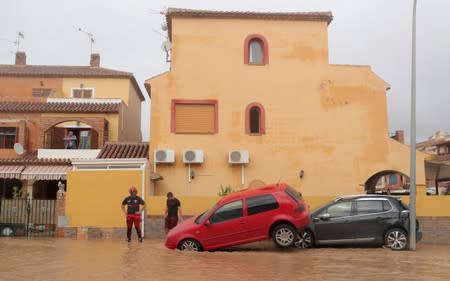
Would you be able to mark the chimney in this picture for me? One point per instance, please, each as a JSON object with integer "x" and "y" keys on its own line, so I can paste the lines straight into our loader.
{"x": 21, "y": 58}
{"x": 95, "y": 60}
{"x": 399, "y": 136}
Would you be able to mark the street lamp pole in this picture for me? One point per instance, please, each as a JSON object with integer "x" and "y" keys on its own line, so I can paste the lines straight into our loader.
{"x": 412, "y": 180}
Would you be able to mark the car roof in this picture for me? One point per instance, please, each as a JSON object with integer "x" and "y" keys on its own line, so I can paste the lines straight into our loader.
{"x": 357, "y": 196}
{"x": 267, "y": 189}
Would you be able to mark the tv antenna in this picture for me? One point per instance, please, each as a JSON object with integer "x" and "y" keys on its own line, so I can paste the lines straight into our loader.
{"x": 90, "y": 35}
{"x": 20, "y": 34}
{"x": 167, "y": 47}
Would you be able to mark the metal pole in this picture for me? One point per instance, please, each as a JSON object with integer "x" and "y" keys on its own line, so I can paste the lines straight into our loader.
{"x": 412, "y": 180}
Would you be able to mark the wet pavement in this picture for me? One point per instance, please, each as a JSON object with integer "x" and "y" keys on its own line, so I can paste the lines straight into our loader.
{"x": 67, "y": 259}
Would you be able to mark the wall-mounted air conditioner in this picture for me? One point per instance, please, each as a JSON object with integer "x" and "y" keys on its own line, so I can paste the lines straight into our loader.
{"x": 193, "y": 156}
{"x": 164, "y": 156}
{"x": 238, "y": 157}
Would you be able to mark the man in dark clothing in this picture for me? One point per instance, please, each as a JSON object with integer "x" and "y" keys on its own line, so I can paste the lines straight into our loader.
{"x": 173, "y": 212}
{"x": 135, "y": 206}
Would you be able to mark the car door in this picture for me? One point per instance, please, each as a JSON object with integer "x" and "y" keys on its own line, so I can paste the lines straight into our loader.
{"x": 369, "y": 219}
{"x": 260, "y": 210}
{"x": 331, "y": 223}
{"x": 225, "y": 226}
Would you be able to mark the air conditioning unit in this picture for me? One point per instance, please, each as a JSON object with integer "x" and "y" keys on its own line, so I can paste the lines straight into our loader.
{"x": 164, "y": 156}
{"x": 193, "y": 156}
{"x": 238, "y": 157}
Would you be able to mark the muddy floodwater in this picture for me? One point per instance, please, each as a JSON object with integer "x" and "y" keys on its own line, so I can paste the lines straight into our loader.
{"x": 66, "y": 259}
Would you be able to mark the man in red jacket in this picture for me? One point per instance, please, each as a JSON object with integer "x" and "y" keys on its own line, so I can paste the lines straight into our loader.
{"x": 135, "y": 206}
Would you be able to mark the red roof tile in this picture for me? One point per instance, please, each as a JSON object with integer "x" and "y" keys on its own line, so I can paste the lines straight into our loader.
{"x": 124, "y": 150}
{"x": 78, "y": 107}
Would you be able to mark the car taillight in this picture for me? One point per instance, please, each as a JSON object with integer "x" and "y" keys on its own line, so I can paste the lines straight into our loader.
{"x": 300, "y": 208}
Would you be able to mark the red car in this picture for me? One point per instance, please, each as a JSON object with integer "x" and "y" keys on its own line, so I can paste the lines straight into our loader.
{"x": 274, "y": 211}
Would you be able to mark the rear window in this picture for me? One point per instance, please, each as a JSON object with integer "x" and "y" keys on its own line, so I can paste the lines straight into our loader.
{"x": 259, "y": 204}
{"x": 294, "y": 194}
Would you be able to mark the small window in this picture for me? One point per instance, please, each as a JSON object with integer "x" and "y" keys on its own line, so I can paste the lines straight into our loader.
{"x": 227, "y": 212}
{"x": 364, "y": 207}
{"x": 340, "y": 209}
{"x": 83, "y": 93}
{"x": 194, "y": 117}
{"x": 256, "y": 50}
{"x": 393, "y": 179}
{"x": 255, "y": 119}
{"x": 259, "y": 204}
{"x": 7, "y": 137}
{"x": 41, "y": 92}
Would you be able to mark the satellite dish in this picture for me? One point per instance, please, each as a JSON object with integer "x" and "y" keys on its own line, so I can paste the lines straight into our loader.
{"x": 164, "y": 25}
{"x": 166, "y": 46}
{"x": 18, "y": 148}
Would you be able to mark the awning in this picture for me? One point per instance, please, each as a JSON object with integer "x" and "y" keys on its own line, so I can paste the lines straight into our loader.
{"x": 49, "y": 172}
{"x": 435, "y": 170}
{"x": 11, "y": 171}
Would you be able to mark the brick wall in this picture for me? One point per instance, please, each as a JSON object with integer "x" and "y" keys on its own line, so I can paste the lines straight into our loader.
{"x": 435, "y": 230}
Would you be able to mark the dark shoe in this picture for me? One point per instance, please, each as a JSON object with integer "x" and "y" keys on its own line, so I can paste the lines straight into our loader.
{"x": 140, "y": 240}
{"x": 128, "y": 240}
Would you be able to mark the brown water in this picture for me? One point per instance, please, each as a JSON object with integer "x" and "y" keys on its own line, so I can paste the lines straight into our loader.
{"x": 66, "y": 259}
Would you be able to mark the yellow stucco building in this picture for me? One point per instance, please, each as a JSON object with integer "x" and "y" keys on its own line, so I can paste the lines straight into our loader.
{"x": 251, "y": 98}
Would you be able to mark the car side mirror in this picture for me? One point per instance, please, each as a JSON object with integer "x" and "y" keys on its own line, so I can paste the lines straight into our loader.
{"x": 207, "y": 223}
{"x": 404, "y": 214}
{"x": 324, "y": 217}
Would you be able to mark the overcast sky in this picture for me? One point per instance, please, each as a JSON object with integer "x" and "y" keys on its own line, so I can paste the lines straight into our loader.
{"x": 363, "y": 32}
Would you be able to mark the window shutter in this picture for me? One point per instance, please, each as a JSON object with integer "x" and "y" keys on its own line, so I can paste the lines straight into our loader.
{"x": 195, "y": 118}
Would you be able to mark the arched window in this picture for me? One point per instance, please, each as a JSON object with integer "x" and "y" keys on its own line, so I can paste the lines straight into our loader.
{"x": 255, "y": 116}
{"x": 256, "y": 50}
{"x": 255, "y": 119}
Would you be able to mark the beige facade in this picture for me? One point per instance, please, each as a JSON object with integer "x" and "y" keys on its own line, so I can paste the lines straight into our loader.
{"x": 326, "y": 122}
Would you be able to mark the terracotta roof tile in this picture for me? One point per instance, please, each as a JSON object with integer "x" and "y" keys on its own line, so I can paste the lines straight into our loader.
{"x": 30, "y": 158}
{"x": 61, "y": 71}
{"x": 305, "y": 16}
{"x": 79, "y": 107}
{"x": 124, "y": 150}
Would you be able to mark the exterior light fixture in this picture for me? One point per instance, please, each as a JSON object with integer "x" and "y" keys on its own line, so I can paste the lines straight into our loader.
{"x": 302, "y": 173}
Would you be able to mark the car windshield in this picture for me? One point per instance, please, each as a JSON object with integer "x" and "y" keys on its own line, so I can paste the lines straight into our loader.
{"x": 321, "y": 206}
{"x": 202, "y": 217}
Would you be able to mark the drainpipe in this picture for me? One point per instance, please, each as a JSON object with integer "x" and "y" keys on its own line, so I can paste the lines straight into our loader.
{"x": 143, "y": 167}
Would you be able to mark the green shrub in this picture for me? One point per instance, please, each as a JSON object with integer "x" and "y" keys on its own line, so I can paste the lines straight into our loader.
{"x": 224, "y": 191}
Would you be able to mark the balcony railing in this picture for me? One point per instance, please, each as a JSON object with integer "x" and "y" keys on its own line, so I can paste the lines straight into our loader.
{"x": 68, "y": 153}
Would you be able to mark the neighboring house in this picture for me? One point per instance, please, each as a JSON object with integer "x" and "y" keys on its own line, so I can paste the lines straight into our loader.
{"x": 40, "y": 104}
{"x": 438, "y": 164}
{"x": 394, "y": 182}
{"x": 251, "y": 98}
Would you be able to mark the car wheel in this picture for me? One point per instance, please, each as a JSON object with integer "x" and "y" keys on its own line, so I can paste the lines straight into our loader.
{"x": 190, "y": 245}
{"x": 306, "y": 240}
{"x": 284, "y": 235}
{"x": 396, "y": 239}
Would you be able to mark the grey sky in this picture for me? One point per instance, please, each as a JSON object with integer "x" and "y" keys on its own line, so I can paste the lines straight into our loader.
{"x": 365, "y": 32}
